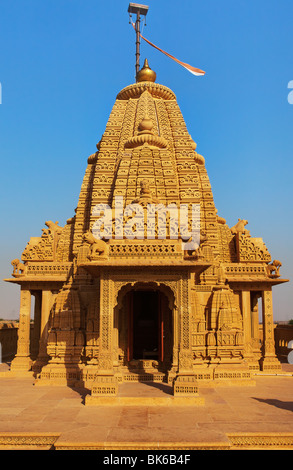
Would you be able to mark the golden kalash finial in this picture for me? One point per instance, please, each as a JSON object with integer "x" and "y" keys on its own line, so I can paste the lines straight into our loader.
{"x": 146, "y": 74}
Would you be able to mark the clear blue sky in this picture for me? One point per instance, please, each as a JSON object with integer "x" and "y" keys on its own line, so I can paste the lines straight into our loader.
{"x": 62, "y": 63}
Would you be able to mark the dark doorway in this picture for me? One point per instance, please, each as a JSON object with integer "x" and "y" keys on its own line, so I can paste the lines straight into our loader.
{"x": 145, "y": 324}
{"x": 145, "y": 327}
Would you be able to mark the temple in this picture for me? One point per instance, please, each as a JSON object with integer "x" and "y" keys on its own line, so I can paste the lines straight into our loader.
{"x": 120, "y": 296}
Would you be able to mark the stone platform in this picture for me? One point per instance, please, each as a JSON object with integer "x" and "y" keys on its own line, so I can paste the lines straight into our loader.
{"x": 48, "y": 417}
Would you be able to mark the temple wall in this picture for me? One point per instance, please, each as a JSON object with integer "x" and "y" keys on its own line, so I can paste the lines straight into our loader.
{"x": 9, "y": 330}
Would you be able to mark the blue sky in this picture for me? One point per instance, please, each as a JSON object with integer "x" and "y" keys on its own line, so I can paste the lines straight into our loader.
{"x": 62, "y": 63}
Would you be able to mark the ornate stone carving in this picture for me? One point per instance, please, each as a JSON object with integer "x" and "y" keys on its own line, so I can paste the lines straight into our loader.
{"x": 18, "y": 267}
{"x": 39, "y": 248}
{"x": 156, "y": 90}
{"x": 146, "y": 197}
{"x": 53, "y": 228}
{"x": 240, "y": 227}
{"x": 274, "y": 269}
{"x": 146, "y": 136}
{"x": 98, "y": 248}
{"x": 251, "y": 249}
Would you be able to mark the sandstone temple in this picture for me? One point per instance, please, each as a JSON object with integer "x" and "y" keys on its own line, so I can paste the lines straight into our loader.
{"x": 121, "y": 308}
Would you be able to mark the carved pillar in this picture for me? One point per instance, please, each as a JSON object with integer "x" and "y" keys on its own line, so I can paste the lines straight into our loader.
{"x": 106, "y": 324}
{"x": 37, "y": 324}
{"x": 116, "y": 337}
{"x": 22, "y": 360}
{"x": 255, "y": 322}
{"x": 185, "y": 384}
{"x": 175, "y": 327}
{"x": 185, "y": 353}
{"x": 246, "y": 315}
{"x": 44, "y": 324}
{"x": 105, "y": 383}
{"x": 269, "y": 360}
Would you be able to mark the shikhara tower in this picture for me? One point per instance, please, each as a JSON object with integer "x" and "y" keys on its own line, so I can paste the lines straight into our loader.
{"x": 145, "y": 310}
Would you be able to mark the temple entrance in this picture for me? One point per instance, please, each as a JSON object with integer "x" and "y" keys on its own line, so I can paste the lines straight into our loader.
{"x": 145, "y": 341}
{"x": 145, "y": 328}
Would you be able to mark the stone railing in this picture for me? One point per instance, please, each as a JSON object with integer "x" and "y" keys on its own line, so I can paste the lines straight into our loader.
{"x": 8, "y": 338}
{"x": 283, "y": 335}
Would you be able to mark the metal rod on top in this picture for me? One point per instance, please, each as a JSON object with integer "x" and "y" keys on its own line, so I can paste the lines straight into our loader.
{"x": 137, "y": 54}
{"x": 138, "y": 10}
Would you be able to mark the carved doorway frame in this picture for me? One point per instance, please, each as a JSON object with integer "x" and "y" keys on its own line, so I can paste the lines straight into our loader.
{"x": 176, "y": 284}
{"x": 120, "y": 308}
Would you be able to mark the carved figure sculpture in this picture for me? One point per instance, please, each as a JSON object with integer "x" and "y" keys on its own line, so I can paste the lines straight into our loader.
{"x": 53, "y": 228}
{"x": 146, "y": 196}
{"x": 97, "y": 247}
{"x": 274, "y": 268}
{"x": 18, "y": 267}
{"x": 200, "y": 251}
{"x": 239, "y": 227}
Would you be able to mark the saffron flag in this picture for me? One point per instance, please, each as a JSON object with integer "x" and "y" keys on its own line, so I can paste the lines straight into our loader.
{"x": 188, "y": 67}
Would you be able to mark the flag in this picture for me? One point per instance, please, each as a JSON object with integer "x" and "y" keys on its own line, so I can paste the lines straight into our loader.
{"x": 190, "y": 68}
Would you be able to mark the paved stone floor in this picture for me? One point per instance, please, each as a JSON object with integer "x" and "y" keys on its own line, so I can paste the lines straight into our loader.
{"x": 264, "y": 408}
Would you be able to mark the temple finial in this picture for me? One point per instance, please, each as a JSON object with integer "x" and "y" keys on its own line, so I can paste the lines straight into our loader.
{"x": 146, "y": 74}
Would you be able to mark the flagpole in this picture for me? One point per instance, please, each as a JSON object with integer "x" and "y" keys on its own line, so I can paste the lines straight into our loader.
{"x": 137, "y": 29}
{"x": 138, "y": 10}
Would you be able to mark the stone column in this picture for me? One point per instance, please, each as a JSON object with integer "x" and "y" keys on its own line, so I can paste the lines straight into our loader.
{"x": 255, "y": 322}
{"x": 175, "y": 328}
{"x": 246, "y": 315}
{"x": 105, "y": 385}
{"x": 37, "y": 324}
{"x": 269, "y": 361}
{"x": 184, "y": 320}
{"x": 106, "y": 325}
{"x": 22, "y": 360}
{"x": 45, "y": 315}
{"x": 185, "y": 384}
